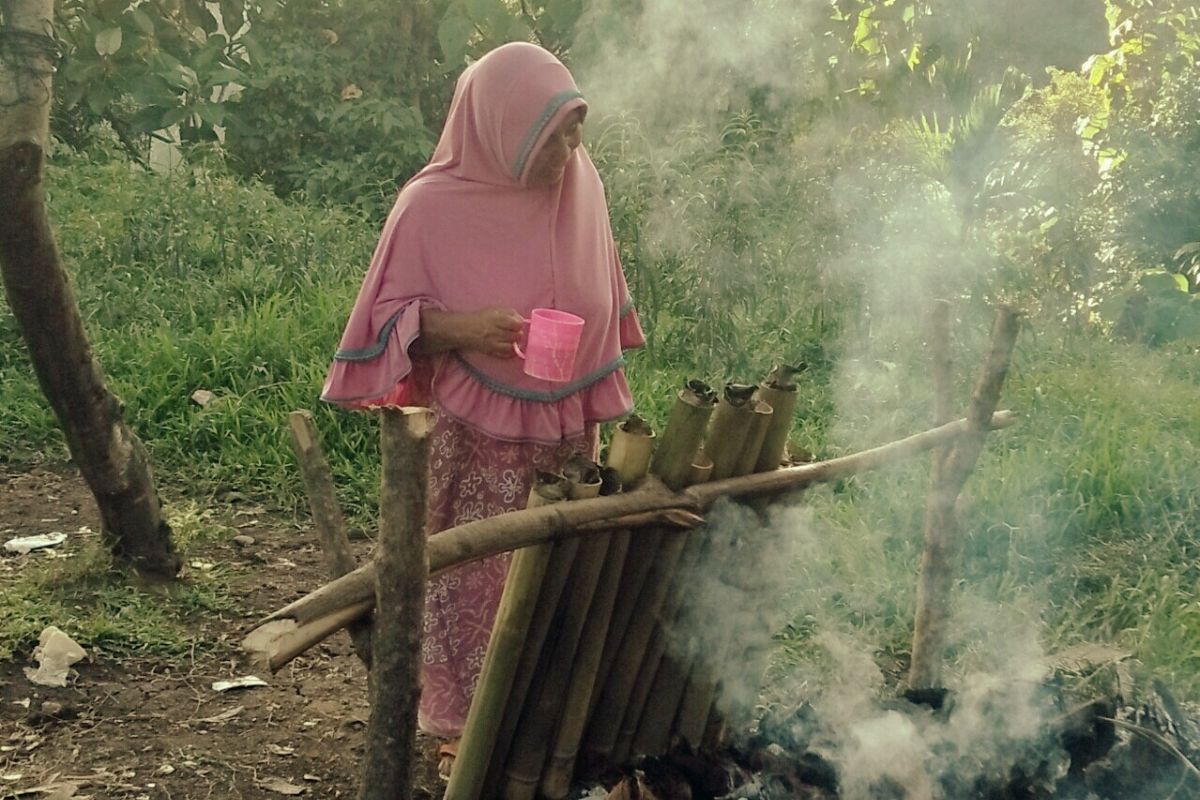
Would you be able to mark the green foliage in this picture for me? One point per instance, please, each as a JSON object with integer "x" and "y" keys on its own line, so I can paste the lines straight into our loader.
{"x": 146, "y": 67}
{"x": 1081, "y": 519}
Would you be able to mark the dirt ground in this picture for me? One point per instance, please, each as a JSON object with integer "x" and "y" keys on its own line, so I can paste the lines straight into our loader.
{"x": 151, "y": 728}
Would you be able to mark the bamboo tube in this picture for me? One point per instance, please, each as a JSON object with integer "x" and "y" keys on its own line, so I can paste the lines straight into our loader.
{"x": 681, "y": 438}
{"x": 661, "y": 678}
{"x": 631, "y": 462}
{"x": 626, "y": 644}
{"x": 731, "y": 425}
{"x": 672, "y": 465}
{"x": 762, "y": 414}
{"x": 781, "y": 392}
{"x": 741, "y": 421}
{"x": 279, "y": 637}
{"x": 513, "y": 618}
{"x": 630, "y": 450}
{"x": 583, "y": 481}
{"x": 550, "y": 660}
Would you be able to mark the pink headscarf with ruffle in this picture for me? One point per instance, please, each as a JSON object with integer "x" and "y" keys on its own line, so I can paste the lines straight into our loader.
{"x": 467, "y": 233}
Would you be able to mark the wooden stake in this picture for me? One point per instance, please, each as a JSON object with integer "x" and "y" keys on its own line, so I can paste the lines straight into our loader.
{"x": 327, "y": 514}
{"x": 941, "y": 528}
{"x": 513, "y": 617}
{"x": 401, "y": 571}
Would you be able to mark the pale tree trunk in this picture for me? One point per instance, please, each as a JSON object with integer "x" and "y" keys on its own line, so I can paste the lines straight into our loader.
{"x": 109, "y": 455}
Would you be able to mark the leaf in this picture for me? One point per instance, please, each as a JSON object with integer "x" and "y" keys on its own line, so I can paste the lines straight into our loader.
{"x": 143, "y": 20}
{"x": 108, "y": 41}
{"x": 1188, "y": 249}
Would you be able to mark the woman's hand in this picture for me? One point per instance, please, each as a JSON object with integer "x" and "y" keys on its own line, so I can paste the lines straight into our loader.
{"x": 491, "y": 331}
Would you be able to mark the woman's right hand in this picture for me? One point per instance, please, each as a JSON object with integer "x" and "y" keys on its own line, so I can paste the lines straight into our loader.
{"x": 490, "y": 331}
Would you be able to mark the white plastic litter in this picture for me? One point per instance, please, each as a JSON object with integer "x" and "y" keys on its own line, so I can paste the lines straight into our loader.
{"x": 24, "y": 544}
{"x": 55, "y": 654}
{"x": 245, "y": 682}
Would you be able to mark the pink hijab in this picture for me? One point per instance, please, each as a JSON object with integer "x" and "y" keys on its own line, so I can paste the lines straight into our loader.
{"x": 467, "y": 233}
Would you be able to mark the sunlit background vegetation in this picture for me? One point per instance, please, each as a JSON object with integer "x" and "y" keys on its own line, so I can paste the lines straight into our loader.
{"x": 220, "y": 172}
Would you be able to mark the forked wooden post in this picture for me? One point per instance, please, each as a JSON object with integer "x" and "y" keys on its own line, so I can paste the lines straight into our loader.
{"x": 327, "y": 515}
{"x": 401, "y": 569}
{"x": 942, "y": 536}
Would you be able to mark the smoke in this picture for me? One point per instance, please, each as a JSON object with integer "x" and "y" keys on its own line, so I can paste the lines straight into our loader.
{"x": 695, "y": 60}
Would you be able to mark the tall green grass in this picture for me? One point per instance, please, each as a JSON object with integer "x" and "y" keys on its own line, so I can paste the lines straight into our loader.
{"x": 1081, "y": 520}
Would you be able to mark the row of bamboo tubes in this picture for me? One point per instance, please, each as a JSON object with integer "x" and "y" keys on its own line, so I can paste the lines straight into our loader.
{"x": 584, "y": 668}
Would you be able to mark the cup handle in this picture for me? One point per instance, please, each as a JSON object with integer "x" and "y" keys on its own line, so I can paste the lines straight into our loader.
{"x": 524, "y": 335}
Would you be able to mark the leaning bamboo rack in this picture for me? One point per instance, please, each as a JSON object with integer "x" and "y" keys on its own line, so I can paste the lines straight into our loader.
{"x": 588, "y": 665}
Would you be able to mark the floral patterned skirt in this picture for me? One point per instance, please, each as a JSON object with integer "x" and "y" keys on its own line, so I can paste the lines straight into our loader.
{"x": 472, "y": 476}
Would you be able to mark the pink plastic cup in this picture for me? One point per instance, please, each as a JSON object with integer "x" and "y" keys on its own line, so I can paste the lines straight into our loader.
{"x": 551, "y": 341}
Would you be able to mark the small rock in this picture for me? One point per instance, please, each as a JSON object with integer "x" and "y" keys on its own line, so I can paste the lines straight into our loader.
{"x": 50, "y": 708}
{"x": 242, "y": 540}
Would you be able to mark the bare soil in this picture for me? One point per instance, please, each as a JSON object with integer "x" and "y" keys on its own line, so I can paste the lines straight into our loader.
{"x": 153, "y": 727}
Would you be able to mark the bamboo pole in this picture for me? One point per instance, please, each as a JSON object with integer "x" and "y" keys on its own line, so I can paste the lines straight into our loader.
{"x": 583, "y": 478}
{"x": 687, "y": 678}
{"x": 941, "y": 527}
{"x": 685, "y": 428}
{"x": 671, "y": 463}
{"x": 698, "y": 694}
{"x": 284, "y": 634}
{"x": 400, "y": 604}
{"x": 513, "y": 617}
{"x": 629, "y": 457}
{"x": 543, "y": 708}
{"x": 327, "y": 514}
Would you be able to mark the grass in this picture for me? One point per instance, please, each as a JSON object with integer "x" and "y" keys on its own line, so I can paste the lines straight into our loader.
{"x": 1081, "y": 523}
{"x": 105, "y": 610}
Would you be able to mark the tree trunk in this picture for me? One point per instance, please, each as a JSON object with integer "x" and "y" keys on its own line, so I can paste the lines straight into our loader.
{"x": 400, "y": 571}
{"x": 109, "y": 455}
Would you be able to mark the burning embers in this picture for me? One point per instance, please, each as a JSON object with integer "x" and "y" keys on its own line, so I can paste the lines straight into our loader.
{"x": 1105, "y": 749}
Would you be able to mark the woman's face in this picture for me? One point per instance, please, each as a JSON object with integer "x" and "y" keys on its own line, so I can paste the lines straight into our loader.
{"x": 551, "y": 161}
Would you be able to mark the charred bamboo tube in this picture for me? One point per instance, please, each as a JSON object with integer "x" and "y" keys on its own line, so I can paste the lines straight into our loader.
{"x": 631, "y": 462}
{"x": 743, "y": 427}
{"x": 583, "y": 481}
{"x": 513, "y": 617}
{"x": 673, "y": 464}
{"x": 781, "y": 393}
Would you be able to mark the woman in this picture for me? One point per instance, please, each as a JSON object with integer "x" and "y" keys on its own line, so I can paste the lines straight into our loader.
{"x": 508, "y": 216}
